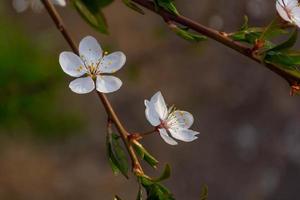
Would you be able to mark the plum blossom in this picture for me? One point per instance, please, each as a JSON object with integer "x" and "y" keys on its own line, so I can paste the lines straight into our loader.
{"x": 92, "y": 68}
{"x": 169, "y": 121}
{"x": 36, "y": 5}
{"x": 289, "y": 10}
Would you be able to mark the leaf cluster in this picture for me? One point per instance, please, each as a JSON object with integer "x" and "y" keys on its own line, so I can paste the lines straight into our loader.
{"x": 281, "y": 55}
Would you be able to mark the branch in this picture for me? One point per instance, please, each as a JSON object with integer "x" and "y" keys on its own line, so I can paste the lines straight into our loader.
{"x": 221, "y": 37}
{"x": 136, "y": 166}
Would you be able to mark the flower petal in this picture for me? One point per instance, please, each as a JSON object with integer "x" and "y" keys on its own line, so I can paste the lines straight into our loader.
{"x": 90, "y": 51}
{"x": 281, "y": 6}
{"x": 151, "y": 114}
{"x": 296, "y": 15}
{"x": 112, "y": 62}
{"x": 181, "y": 119}
{"x": 107, "y": 84}
{"x": 185, "y": 135}
{"x": 71, "y": 64}
{"x": 159, "y": 105}
{"x": 163, "y": 133}
{"x": 20, "y": 5}
{"x": 82, "y": 85}
{"x": 59, "y": 2}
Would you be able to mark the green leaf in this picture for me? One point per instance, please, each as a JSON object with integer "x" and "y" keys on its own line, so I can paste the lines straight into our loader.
{"x": 133, "y": 6}
{"x": 155, "y": 191}
{"x": 251, "y": 34}
{"x": 92, "y": 13}
{"x": 185, "y": 34}
{"x": 167, "y": 5}
{"x": 140, "y": 193}
{"x": 272, "y": 30}
{"x": 286, "y": 59}
{"x": 95, "y": 5}
{"x": 204, "y": 193}
{"x": 245, "y": 25}
{"x": 145, "y": 155}
{"x": 290, "y": 42}
{"x": 165, "y": 175}
{"x": 116, "y": 154}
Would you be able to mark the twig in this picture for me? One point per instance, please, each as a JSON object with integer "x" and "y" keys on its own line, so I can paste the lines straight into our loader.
{"x": 218, "y": 36}
{"x": 136, "y": 166}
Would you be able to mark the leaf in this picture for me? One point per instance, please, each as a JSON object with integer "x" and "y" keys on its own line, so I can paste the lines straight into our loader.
{"x": 155, "y": 191}
{"x": 165, "y": 175}
{"x": 289, "y": 60}
{"x": 140, "y": 193}
{"x": 95, "y": 5}
{"x": 290, "y": 42}
{"x": 168, "y": 5}
{"x": 185, "y": 34}
{"x": 116, "y": 154}
{"x": 145, "y": 155}
{"x": 251, "y": 34}
{"x": 245, "y": 24}
{"x": 282, "y": 56}
{"x": 92, "y": 14}
{"x": 204, "y": 193}
{"x": 272, "y": 30}
{"x": 133, "y": 6}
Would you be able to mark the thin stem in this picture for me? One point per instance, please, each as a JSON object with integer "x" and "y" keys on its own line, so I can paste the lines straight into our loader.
{"x": 148, "y": 133}
{"x": 106, "y": 103}
{"x": 216, "y": 35}
{"x": 139, "y": 136}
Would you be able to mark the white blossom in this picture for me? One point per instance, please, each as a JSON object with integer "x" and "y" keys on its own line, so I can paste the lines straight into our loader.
{"x": 35, "y": 5}
{"x": 289, "y": 10}
{"x": 170, "y": 123}
{"x": 92, "y": 67}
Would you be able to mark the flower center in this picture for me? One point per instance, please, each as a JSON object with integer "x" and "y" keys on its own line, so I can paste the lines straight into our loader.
{"x": 164, "y": 124}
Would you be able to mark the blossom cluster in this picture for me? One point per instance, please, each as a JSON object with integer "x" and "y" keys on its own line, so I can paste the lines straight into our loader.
{"x": 92, "y": 69}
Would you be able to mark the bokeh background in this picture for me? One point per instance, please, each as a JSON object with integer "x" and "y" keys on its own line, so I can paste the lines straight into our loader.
{"x": 52, "y": 141}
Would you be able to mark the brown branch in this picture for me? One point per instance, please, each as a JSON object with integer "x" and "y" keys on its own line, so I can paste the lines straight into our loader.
{"x": 136, "y": 166}
{"x": 218, "y": 36}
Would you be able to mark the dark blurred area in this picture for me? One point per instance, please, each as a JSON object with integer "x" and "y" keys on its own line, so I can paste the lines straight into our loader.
{"x": 52, "y": 141}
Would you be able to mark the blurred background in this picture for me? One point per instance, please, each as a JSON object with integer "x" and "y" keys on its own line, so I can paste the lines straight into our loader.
{"x": 52, "y": 141}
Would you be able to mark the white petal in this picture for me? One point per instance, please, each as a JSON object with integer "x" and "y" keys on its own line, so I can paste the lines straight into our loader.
{"x": 163, "y": 133}
{"x": 59, "y": 2}
{"x": 71, "y": 64}
{"x": 151, "y": 114}
{"x": 185, "y": 135}
{"x": 37, "y": 5}
{"x": 82, "y": 85}
{"x": 182, "y": 119}
{"x": 112, "y": 62}
{"x": 296, "y": 16}
{"x": 90, "y": 50}
{"x": 159, "y": 105}
{"x": 280, "y": 6}
{"x": 107, "y": 84}
{"x": 20, "y": 5}
{"x": 291, "y": 3}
